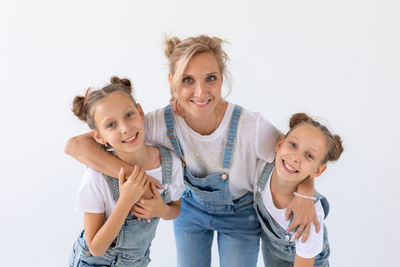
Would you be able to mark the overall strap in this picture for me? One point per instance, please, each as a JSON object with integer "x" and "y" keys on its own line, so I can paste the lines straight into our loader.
{"x": 169, "y": 122}
{"x": 226, "y": 164}
{"x": 166, "y": 165}
{"x": 114, "y": 186}
{"x": 265, "y": 174}
{"x": 324, "y": 202}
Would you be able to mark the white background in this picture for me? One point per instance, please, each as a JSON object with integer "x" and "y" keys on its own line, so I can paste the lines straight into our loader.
{"x": 337, "y": 60}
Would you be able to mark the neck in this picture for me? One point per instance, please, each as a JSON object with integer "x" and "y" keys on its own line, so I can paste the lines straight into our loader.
{"x": 146, "y": 157}
{"x": 282, "y": 191}
{"x": 209, "y": 125}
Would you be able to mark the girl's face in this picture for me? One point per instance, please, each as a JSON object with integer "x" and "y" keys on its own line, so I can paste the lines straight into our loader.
{"x": 300, "y": 154}
{"x": 200, "y": 90}
{"x": 119, "y": 123}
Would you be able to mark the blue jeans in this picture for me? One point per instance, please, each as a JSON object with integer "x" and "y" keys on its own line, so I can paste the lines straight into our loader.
{"x": 238, "y": 234}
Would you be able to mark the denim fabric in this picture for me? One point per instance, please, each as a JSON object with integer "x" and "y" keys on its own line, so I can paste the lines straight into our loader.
{"x": 132, "y": 245}
{"x": 207, "y": 206}
{"x": 277, "y": 248}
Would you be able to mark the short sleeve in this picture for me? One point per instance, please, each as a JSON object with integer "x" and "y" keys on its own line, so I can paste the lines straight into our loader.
{"x": 91, "y": 196}
{"x": 266, "y": 138}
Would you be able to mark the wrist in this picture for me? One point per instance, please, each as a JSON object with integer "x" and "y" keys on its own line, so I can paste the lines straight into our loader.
{"x": 306, "y": 187}
{"x": 309, "y": 197}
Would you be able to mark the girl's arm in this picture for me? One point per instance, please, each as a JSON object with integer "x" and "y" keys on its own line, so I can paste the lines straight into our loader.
{"x": 303, "y": 211}
{"x": 156, "y": 207}
{"x": 303, "y": 262}
{"x": 99, "y": 234}
{"x": 86, "y": 150}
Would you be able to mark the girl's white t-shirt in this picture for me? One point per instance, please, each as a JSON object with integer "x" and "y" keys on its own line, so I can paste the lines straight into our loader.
{"x": 95, "y": 196}
{"x": 314, "y": 244}
{"x": 203, "y": 154}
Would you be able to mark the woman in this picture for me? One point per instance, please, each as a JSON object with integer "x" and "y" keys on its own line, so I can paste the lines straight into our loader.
{"x": 219, "y": 144}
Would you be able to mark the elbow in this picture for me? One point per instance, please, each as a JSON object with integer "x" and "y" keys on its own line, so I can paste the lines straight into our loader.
{"x": 97, "y": 252}
{"x": 70, "y": 145}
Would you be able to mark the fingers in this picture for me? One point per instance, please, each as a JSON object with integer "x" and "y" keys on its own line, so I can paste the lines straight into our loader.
{"x": 306, "y": 233}
{"x": 317, "y": 225}
{"x": 155, "y": 182}
{"x": 121, "y": 177}
{"x": 292, "y": 226}
{"x": 298, "y": 232}
{"x": 288, "y": 213}
{"x": 156, "y": 194}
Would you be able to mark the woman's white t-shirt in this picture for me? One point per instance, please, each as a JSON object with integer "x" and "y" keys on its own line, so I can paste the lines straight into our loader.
{"x": 95, "y": 196}
{"x": 255, "y": 139}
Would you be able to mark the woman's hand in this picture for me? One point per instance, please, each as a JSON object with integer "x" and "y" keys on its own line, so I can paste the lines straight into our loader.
{"x": 149, "y": 208}
{"x": 132, "y": 189}
{"x": 304, "y": 214}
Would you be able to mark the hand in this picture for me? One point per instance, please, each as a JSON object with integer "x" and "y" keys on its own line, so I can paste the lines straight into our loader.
{"x": 148, "y": 208}
{"x": 132, "y": 189}
{"x": 148, "y": 193}
{"x": 176, "y": 107}
{"x": 304, "y": 214}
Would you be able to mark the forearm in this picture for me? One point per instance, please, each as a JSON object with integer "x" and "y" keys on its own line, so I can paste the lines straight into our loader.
{"x": 107, "y": 233}
{"x": 172, "y": 210}
{"x": 306, "y": 187}
{"x": 86, "y": 150}
{"x": 303, "y": 262}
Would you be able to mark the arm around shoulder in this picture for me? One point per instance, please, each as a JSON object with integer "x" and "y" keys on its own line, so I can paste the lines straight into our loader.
{"x": 87, "y": 151}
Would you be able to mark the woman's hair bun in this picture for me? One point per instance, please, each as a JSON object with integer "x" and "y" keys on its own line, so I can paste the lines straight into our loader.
{"x": 298, "y": 118}
{"x": 170, "y": 44}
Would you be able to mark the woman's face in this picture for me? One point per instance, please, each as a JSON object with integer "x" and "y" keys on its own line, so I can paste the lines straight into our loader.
{"x": 200, "y": 90}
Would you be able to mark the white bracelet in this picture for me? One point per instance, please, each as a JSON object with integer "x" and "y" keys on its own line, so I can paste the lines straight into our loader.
{"x": 304, "y": 196}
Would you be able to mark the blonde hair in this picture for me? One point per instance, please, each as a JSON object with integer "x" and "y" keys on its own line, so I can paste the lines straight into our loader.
{"x": 83, "y": 106}
{"x": 183, "y": 51}
{"x": 335, "y": 147}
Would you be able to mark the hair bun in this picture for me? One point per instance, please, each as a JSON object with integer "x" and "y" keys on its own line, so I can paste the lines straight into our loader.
{"x": 298, "y": 118}
{"x": 337, "y": 148}
{"x": 115, "y": 80}
{"x": 170, "y": 44}
{"x": 78, "y": 107}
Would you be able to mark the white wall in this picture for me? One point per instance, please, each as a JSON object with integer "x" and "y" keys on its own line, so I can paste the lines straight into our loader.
{"x": 337, "y": 60}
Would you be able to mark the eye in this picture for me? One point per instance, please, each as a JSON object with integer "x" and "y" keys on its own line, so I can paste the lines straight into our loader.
{"x": 309, "y": 156}
{"x": 211, "y": 78}
{"x": 292, "y": 144}
{"x": 111, "y": 125}
{"x": 130, "y": 114}
{"x": 187, "y": 80}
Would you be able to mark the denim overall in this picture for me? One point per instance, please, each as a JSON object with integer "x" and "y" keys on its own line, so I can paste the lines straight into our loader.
{"x": 277, "y": 248}
{"x": 207, "y": 206}
{"x": 132, "y": 245}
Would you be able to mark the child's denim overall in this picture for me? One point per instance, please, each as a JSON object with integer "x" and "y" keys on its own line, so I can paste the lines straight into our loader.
{"x": 207, "y": 206}
{"x": 277, "y": 248}
{"x": 132, "y": 245}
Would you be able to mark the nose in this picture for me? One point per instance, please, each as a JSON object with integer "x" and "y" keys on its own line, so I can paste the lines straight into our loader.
{"x": 199, "y": 90}
{"x": 295, "y": 157}
{"x": 124, "y": 128}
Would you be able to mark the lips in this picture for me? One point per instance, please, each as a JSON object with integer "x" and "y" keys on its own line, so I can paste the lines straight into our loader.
{"x": 288, "y": 168}
{"x": 131, "y": 140}
{"x": 201, "y": 102}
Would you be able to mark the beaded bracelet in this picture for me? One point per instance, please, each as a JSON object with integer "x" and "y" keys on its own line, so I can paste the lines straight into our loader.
{"x": 304, "y": 196}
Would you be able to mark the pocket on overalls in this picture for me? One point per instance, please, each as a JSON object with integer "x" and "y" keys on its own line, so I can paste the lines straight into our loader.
{"x": 137, "y": 235}
{"x": 91, "y": 261}
{"x": 215, "y": 196}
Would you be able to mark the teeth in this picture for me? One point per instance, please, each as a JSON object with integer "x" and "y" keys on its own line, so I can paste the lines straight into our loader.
{"x": 290, "y": 168}
{"x": 201, "y": 103}
{"x": 131, "y": 139}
